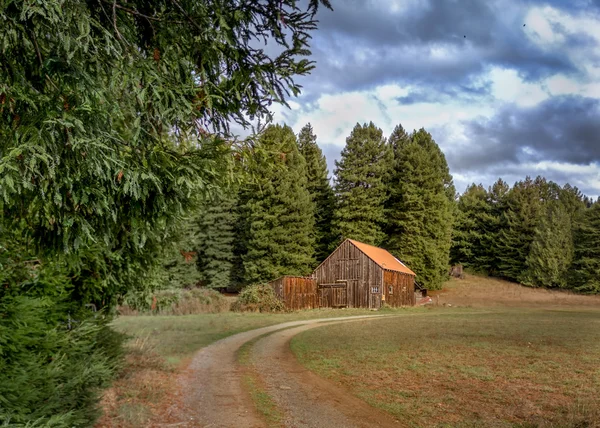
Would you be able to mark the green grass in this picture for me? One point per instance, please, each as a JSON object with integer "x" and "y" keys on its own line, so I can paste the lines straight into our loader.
{"x": 468, "y": 367}
{"x": 178, "y": 337}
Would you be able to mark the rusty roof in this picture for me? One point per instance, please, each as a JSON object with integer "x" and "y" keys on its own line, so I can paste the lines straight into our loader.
{"x": 382, "y": 257}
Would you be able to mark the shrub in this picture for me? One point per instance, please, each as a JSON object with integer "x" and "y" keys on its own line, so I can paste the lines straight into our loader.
{"x": 55, "y": 355}
{"x": 175, "y": 301}
{"x": 258, "y": 298}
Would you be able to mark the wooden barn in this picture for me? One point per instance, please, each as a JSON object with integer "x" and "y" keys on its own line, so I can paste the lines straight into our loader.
{"x": 355, "y": 275}
{"x": 358, "y": 275}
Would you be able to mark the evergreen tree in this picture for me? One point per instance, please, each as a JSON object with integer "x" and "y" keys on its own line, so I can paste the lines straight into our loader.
{"x": 470, "y": 227}
{"x": 360, "y": 187}
{"x": 320, "y": 190}
{"x": 214, "y": 241}
{"x": 525, "y": 204}
{"x": 421, "y": 206}
{"x": 494, "y": 222}
{"x": 277, "y": 210}
{"x": 551, "y": 251}
{"x": 585, "y": 271}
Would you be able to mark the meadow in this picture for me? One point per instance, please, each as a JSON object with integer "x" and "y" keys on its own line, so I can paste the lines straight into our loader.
{"x": 486, "y": 353}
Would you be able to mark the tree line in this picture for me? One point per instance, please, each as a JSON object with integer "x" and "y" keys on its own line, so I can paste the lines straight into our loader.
{"x": 284, "y": 216}
{"x": 537, "y": 233}
{"x": 397, "y": 193}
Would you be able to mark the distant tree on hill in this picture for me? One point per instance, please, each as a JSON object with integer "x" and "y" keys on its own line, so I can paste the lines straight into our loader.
{"x": 276, "y": 211}
{"x": 525, "y": 204}
{"x": 360, "y": 187}
{"x": 551, "y": 251}
{"x": 320, "y": 190}
{"x": 470, "y": 227}
{"x": 585, "y": 271}
{"x": 420, "y": 207}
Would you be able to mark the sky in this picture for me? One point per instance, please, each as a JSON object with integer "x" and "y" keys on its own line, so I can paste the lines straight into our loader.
{"x": 507, "y": 88}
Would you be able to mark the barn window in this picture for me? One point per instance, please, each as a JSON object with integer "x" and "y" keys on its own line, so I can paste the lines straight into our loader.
{"x": 390, "y": 289}
{"x": 375, "y": 289}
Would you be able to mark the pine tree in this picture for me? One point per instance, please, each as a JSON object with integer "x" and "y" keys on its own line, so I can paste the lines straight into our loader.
{"x": 494, "y": 222}
{"x": 277, "y": 211}
{"x": 420, "y": 207}
{"x": 360, "y": 187}
{"x": 319, "y": 187}
{"x": 551, "y": 251}
{"x": 525, "y": 204}
{"x": 585, "y": 272}
{"x": 470, "y": 227}
{"x": 215, "y": 241}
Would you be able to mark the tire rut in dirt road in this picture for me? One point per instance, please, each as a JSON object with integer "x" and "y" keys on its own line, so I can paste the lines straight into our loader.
{"x": 211, "y": 392}
{"x": 306, "y": 399}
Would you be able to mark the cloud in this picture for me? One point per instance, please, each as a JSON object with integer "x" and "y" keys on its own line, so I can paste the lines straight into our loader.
{"x": 519, "y": 95}
{"x": 444, "y": 45}
{"x": 564, "y": 128}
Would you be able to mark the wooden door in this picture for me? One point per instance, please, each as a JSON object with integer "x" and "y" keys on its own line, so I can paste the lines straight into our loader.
{"x": 375, "y": 302}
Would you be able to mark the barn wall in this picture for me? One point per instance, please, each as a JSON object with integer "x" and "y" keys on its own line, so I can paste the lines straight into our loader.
{"x": 364, "y": 278}
{"x": 297, "y": 292}
{"x": 399, "y": 289}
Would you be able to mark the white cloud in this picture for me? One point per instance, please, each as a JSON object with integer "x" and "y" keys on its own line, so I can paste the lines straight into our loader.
{"x": 508, "y": 86}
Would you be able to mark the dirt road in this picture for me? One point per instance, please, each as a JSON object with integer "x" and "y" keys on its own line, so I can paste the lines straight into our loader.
{"x": 212, "y": 393}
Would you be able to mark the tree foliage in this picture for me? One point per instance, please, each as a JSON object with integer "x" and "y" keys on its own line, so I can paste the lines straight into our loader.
{"x": 420, "y": 208}
{"x": 114, "y": 120}
{"x": 551, "y": 252}
{"x": 360, "y": 187}
{"x": 585, "y": 275}
{"x": 320, "y": 190}
{"x": 214, "y": 241}
{"x": 278, "y": 225}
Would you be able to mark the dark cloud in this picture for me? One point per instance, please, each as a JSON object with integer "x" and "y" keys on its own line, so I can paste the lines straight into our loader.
{"x": 564, "y": 129}
{"x": 362, "y": 44}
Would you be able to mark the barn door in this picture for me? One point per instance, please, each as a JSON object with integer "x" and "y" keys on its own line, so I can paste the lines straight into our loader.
{"x": 375, "y": 301}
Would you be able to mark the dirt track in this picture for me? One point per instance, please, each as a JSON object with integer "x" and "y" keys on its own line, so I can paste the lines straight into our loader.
{"x": 213, "y": 395}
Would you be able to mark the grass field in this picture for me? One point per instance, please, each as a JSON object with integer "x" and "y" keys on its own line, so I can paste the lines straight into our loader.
{"x": 489, "y": 353}
{"x": 460, "y": 367}
{"x": 160, "y": 346}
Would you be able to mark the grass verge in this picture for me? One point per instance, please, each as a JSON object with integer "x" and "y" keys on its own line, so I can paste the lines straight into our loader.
{"x": 465, "y": 367}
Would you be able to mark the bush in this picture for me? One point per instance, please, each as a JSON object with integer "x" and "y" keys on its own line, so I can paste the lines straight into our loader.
{"x": 175, "y": 301}
{"x": 55, "y": 355}
{"x": 258, "y": 298}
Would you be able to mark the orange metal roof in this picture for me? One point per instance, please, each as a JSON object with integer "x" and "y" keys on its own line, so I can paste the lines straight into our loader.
{"x": 382, "y": 257}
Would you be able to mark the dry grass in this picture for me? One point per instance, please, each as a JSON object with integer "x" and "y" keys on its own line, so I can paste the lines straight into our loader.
{"x": 479, "y": 291}
{"x": 468, "y": 367}
{"x": 145, "y": 382}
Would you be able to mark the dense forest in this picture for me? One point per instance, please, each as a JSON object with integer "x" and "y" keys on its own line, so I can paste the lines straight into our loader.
{"x": 394, "y": 192}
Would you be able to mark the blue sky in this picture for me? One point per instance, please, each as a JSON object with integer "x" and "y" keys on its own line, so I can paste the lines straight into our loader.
{"x": 506, "y": 88}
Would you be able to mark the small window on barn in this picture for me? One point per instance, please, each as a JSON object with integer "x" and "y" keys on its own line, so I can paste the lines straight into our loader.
{"x": 375, "y": 289}
{"x": 391, "y": 289}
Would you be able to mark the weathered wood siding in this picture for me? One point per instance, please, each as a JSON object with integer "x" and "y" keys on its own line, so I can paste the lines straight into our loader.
{"x": 399, "y": 289}
{"x": 297, "y": 292}
{"x": 364, "y": 278}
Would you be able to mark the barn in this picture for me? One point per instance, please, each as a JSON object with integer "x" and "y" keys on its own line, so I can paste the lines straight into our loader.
{"x": 355, "y": 275}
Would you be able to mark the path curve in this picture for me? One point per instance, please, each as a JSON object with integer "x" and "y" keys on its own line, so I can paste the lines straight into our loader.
{"x": 307, "y": 400}
{"x": 211, "y": 391}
